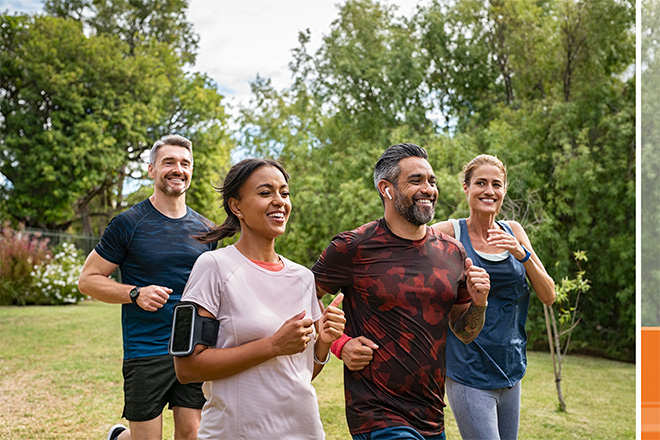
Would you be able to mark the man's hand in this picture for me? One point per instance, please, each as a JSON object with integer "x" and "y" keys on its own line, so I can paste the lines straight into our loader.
{"x": 466, "y": 321}
{"x": 358, "y": 353}
{"x": 153, "y": 298}
{"x": 478, "y": 283}
{"x": 332, "y": 321}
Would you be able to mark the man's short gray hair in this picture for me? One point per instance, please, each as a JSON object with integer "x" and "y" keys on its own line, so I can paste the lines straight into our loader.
{"x": 387, "y": 167}
{"x": 172, "y": 139}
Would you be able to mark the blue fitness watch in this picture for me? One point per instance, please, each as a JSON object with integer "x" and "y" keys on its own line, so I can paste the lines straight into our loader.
{"x": 527, "y": 254}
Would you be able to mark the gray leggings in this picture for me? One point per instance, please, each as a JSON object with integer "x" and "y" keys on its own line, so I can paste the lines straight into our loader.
{"x": 484, "y": 414}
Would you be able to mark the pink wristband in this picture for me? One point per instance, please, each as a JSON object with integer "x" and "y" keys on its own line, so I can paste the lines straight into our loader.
{"x": 338, "y": 344}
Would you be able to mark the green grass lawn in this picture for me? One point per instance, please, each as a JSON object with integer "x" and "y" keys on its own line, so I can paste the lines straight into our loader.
{"x": 60, "y": 378}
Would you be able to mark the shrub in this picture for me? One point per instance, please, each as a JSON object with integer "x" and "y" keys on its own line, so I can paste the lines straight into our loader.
{"x": 31, "y": 274}
{"x": 19, "y": 254}
{"x": 56, "y": 282}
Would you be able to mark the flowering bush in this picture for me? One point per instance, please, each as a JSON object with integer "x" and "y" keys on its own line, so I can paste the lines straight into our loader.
{"x": 19, "y": 254}
{"x": 30, "y": 273}
{"x": 56, "y": 282}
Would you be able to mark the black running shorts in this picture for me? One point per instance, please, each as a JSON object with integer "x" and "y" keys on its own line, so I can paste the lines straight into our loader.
{"x": 150, "y": 383}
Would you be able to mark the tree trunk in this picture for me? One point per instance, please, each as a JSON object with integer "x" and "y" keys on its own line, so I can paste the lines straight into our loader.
{"x": 555, "y": 351}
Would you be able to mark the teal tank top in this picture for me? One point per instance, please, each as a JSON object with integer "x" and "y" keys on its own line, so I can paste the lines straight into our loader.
{"x": 497, "y": 358}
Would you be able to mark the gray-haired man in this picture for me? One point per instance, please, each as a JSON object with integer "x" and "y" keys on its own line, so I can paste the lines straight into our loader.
{"x": 152, "y": 245}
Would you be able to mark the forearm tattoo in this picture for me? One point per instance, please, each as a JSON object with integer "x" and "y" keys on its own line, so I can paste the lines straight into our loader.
{"x": 469, "y": 323}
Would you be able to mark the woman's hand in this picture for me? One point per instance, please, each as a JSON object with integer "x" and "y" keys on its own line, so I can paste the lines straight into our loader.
{"x": 502, "y": 240}
{"x": 293, "y": 336}
{"x": 332, "y": 321}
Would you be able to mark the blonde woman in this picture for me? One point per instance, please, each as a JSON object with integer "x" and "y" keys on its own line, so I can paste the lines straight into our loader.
{"x": 483, "y": 377}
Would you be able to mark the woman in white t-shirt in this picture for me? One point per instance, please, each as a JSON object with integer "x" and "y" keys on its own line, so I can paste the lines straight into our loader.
{"x": 274, "y": 337}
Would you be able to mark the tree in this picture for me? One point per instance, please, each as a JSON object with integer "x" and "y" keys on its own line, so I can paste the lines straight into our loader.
{"x": 559, "y": 336}
{"x": 358, "y": 93}
{"x": 119, "y": 81}
{"x": 65, "y": 101}
{"x": 134, "y": 21}
{"x": 543, "y": 85}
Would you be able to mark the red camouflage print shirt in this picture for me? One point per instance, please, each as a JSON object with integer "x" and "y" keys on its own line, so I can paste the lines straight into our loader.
{"x": 398, "y": 293}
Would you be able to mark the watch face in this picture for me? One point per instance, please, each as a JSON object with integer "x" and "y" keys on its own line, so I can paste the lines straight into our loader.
{"x": 135, "y": 291}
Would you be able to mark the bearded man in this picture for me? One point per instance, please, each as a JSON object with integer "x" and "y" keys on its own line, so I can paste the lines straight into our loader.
{"x": 404, "y": 287}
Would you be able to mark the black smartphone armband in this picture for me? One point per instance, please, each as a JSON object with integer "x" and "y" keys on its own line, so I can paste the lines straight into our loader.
{"x": 190, "y": 329}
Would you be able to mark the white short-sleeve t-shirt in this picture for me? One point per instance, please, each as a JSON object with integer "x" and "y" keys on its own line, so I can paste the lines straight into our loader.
{"x": 276, "y": 398}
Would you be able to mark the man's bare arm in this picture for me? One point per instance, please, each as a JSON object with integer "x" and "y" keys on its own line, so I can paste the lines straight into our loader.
{"x": 466, "y": 321}
{"x": 94, "y": 282}
{"x": 469, "y": 322}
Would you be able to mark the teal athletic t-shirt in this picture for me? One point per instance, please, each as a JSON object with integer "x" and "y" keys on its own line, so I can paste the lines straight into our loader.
{"x": 151, "y": 248}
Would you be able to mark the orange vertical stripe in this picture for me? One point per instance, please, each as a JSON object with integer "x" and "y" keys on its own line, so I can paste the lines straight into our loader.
{"x": 650, "y": 385}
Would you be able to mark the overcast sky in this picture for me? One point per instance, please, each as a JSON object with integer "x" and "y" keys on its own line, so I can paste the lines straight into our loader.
{"x": 240, "y": 39}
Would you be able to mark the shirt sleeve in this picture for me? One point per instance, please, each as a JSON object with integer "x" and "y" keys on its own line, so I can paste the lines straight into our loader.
{"x": 114, "y": 242}
{"x": 334, "y": 268}
{"x": 204, "y": 285}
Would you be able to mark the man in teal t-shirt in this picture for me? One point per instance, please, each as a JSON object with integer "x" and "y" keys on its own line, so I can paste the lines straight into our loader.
{"x": 152, "y": 244}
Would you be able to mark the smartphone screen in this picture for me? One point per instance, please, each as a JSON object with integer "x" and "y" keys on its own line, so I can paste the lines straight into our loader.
{"x": 182, "y": 335}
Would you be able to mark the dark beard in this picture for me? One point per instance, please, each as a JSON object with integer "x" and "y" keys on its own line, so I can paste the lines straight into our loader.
{"x": 411, "y": 212}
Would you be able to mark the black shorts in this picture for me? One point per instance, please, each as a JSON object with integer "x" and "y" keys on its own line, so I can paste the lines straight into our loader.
{"x": 150, "y": 383}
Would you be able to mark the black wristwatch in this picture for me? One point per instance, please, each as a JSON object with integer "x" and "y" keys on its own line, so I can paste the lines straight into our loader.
{"x": 134, "y": 293}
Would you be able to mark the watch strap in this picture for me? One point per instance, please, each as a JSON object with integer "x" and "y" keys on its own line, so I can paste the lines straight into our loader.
{"x": 527, "y": 254}
{"x": 134, "y": 294}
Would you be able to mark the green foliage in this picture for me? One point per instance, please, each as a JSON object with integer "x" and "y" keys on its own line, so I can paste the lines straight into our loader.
{"x": 201, "y": 118}
{"x": 565, "y": 129}
{"x": 134, "y": 22}
{"x": 568, "y": 292}
{"x": 354, "y": 96}
{"x": 84, "y": 93}
{"x": 61, "y": 94}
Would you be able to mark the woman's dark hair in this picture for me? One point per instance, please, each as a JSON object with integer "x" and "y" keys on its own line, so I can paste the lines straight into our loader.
{"x": 231, "y": 187}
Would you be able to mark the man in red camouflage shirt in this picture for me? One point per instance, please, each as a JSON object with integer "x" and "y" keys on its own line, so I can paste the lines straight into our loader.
{"x": 405, "y": 286}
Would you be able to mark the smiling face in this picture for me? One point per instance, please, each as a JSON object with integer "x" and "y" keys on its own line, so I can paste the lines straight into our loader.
{"x": 264, "y": 205}
{"x": 486, "y": 189}
{"x": 415, "y": 193}
{"x": 172, "y": 170}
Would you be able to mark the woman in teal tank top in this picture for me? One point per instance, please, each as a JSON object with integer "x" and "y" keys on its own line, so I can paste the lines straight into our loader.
{"x": 483, "y": 377}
